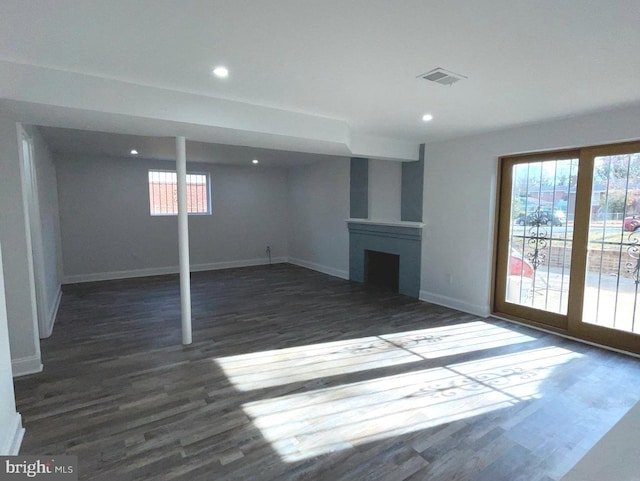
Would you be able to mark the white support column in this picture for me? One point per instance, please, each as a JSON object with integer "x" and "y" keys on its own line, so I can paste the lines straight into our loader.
{"x": 183, "y": 239}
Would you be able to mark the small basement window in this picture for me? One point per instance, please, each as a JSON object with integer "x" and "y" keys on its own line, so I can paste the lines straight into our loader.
{"x": 163, "y": 193}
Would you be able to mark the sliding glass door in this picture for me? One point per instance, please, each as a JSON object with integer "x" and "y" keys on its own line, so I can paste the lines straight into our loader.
{"x": 568, "y": 242}
{"x": 609, "y": 217}
{"x": 536, "y": 228}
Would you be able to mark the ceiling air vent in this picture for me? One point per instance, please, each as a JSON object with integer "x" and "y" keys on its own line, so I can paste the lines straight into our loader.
{"x": 442, "y": 76}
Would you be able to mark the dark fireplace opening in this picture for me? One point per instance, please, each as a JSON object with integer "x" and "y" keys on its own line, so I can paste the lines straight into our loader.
{"x": 382, "y": 269}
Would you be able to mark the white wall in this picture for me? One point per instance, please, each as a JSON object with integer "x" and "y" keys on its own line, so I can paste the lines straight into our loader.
{"x": 50, "y": 246}
{"x": 385, "y": 189}
{"x": 460, "y": 194}
{"x": 319, "y": 205}
{"x": 17, "y": 263}
{"x": 107, "y": 231}
{"x": 11, "y": 430}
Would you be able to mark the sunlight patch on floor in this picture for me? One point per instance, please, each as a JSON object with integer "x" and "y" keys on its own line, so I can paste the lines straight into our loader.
{"x": 298, "y": 364}
{"x": 316, "y": 422}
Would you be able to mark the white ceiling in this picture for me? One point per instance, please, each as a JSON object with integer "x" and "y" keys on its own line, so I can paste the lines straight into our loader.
{"x": 334, "y": 75}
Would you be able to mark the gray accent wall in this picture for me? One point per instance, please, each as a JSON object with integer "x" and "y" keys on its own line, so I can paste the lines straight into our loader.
{"x": 394, "y": 192}
{"x": 412, "y": 189}
{"x": 359, "y": 188}
{"x": 107, "y": 230}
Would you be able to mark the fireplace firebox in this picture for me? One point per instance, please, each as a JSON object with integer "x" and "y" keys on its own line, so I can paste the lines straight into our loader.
{"x": 382, "y": 269}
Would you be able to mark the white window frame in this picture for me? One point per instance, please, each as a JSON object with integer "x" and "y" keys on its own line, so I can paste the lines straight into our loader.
{"x": 207, "y": 177}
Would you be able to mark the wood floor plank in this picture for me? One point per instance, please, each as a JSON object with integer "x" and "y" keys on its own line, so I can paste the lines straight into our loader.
{"x": 294, "y": 375}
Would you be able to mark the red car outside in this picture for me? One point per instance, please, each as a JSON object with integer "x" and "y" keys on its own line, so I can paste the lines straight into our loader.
{"x": 631, "y": 223}
{"x": 518, "y": 266}
{"x": 520, "y": 279}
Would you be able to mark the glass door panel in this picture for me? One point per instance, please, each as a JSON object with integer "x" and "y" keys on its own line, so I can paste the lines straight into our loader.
{"x": 568, "y": 242}
{"x": 613, "y": 252}
{"x": 542, "y": 207}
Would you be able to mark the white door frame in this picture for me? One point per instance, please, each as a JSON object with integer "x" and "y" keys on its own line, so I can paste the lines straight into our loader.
{"x": 34, "y": 233}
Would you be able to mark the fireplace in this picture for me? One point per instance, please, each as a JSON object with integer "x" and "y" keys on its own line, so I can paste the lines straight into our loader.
{"x": 400, "y": 240}
{"x": 382, "y": 269}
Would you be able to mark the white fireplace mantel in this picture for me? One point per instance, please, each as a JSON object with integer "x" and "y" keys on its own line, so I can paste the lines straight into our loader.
{"x": 382, "y": 222}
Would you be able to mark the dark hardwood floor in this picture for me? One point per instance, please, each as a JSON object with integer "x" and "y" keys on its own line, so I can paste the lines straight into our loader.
{"x": 295, "y": 375}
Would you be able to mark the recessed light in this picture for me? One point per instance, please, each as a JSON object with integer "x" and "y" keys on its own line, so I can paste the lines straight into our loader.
{"x": 254, "y": 161}
{"x": 427, "y": 118}
{"x": 221, "y": 72}
{"x": 133, "y": 152}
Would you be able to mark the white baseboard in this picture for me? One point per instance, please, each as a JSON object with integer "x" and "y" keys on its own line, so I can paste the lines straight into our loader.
{"x": 23, "y": 366}
{"x": 13, "y": 436}
{"x": 234, "y": 264}
{"x": 109, "y": 276}
{"x": 320, "y": 268}
{"x": 446, "y": 301}
{"x": 566, "y": 336}
{"x": 158, "y": 271}
{"x": 53, "y": 312}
